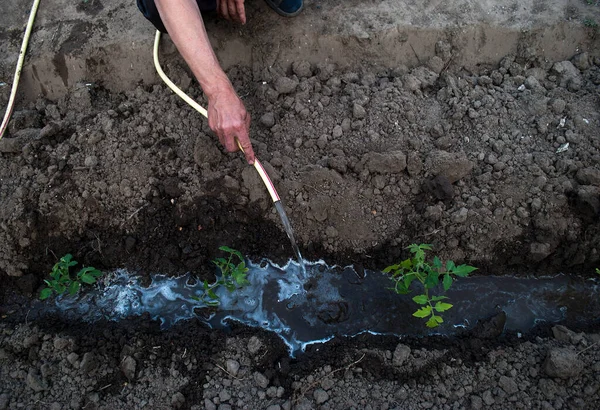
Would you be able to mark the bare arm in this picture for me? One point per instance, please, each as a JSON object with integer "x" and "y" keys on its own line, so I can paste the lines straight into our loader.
{"x": 227, "y": 116}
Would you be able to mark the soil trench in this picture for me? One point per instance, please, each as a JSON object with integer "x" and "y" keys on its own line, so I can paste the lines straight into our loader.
{"x": 474, "y": 127}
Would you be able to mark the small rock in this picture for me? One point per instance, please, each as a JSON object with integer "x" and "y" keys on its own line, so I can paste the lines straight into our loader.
{"x": 267, "y": 120}
{"x": 233, "y": 366}
{"x": 331, "y": 232}
{"x": 454, "y": 166}
{"x": 358, "y": 111}
{"x": 12, "y": 145}
{"x": 50, "y": 130}
{"x": 322, "y": 141}
{"x": 261, "y": 380}
{"x": 286, "y": 85}
{"x": 581, "y": 61}
{"x": 337, "y": 131}
{"x": 91, "y": 161}
{"x": 414, "y": 165}
{"x": 562, "y": 363}
{"x": 476, "y": 403}
{"x": 565, "y": 335}
{"x": 302, "y": 69}
{"x": 61, "y": 343}
{"x": 401, "y": 354}
{"x": 128, "y": 365}
{"x": 177, "y": 400}
{"x": 321, "y": 396}
{"x": 588, "y": 176}
{"x": 539, "y": 251}
{"x": 72, "y": 358}
{"x": 389, "y": 162}
{"x": 35, "y": 382}
{"x": 88, "y": 362}
{"x": 254, "y": 345}
{"x": 558, "y": 105}
{"x": 508, "y": 385}
{"x": 460, "y": 216}
{"x": 274, "y": 407}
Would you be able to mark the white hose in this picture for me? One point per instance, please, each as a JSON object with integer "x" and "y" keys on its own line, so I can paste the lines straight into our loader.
{"x": 13, "y": 92}
{"x": 257, "y": 165}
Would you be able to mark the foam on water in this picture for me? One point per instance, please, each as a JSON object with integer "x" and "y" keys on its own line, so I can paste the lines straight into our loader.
{"x": 312, "y": 308}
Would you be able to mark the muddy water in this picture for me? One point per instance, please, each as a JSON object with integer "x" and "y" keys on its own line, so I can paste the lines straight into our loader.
{"x": 336, "y": 300}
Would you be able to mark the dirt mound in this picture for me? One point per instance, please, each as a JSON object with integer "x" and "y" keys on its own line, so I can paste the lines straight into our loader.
{"x": 476, "y": 163}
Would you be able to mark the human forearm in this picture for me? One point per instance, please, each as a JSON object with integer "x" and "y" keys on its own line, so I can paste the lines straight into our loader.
{"x": 184, "y": 23}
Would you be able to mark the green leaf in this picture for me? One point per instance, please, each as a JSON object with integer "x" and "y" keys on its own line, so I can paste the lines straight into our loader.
{"x": 423, "y": 312}
{"x": 232, "y": 251}
{"x": 74, "y": 287}
{"x": 211, "y": 294}
{"x": 433, "y": 321}
{"x": 212, "y": 303}
{"x": 437, "y": 263}
{"x": 450, "y": 266}
{"x": 420, "y": 299}
{"x": 463, "y": 270}
{"x": 406, "y": 264}
{"x": 391, "y": 268}
{"x": 205, "y": 285}
{"x": 432, "y": 280}
{"x": 408, "y": 279}
{"x": 45, "y": 293}
{"x": 442, "y": 307}
{"x": 598, "y": 271}
{"x": 87, "y": 278}
{"x": 437, "y": 298}
{"x": 400, "y": 288}
{"x": 447, "y": 282}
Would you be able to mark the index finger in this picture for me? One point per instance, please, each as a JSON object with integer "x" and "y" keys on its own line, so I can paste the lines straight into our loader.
{"x": 246, "y": 147}
{"x": 241, "y": 11}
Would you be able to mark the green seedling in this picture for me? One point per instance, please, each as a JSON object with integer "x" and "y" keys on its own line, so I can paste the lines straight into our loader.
{"x": 429, "y": 275}
{"x": 590, "y": 23}
{"x": 61, "y": 280}
{"x": 232, "y": 276}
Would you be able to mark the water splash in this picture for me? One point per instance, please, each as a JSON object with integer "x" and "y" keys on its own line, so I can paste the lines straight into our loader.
{"x": 333, "y": 300}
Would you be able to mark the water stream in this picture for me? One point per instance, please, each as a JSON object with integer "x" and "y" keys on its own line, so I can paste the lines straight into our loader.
{"x": 336, "y": 300}
{"x": 290, "y": 233}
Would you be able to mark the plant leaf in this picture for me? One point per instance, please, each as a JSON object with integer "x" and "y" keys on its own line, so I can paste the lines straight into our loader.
{"x": 447, "y": 282}
{"x": 420, "y": 299}
{"x": 232, "y": 251}
{"x": 463, "y": 270}
{"x": 432, "y": 279}
{"x": 437, "y": 263}
{"x": 439, "y": 319}
{"x": 450, "y": 266}
{"x": 74, "y": 287}
{"x": 45, "y": 293}
{"x": 390, "y": 268}
{"x": 437, "y": 298}
{"x": 406, "y": 264}
{"x": 423, "y": 312}
{"x": 432, "y": 322}
{"x": 442, "y": 307}
{"x": 87, "y": 278}
{"x": 211, "y": 294}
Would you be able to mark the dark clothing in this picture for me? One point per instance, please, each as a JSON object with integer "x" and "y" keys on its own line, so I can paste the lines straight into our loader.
{"x": 149, "y": 10}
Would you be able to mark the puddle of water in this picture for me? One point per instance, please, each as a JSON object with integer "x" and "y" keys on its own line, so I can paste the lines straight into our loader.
{"x": 332, "y": 301}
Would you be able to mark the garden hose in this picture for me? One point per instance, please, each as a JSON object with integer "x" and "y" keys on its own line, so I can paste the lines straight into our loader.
{"x": 257, "y": 165}
{"x": 13, "y": 92}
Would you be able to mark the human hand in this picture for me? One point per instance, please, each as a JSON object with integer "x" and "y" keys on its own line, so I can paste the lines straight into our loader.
{"x": 228, "y": 118}
{"x": 232, "y": 10}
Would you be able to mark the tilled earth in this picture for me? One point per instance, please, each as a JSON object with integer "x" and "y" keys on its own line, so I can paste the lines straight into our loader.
{"x": 367, "y": 161}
